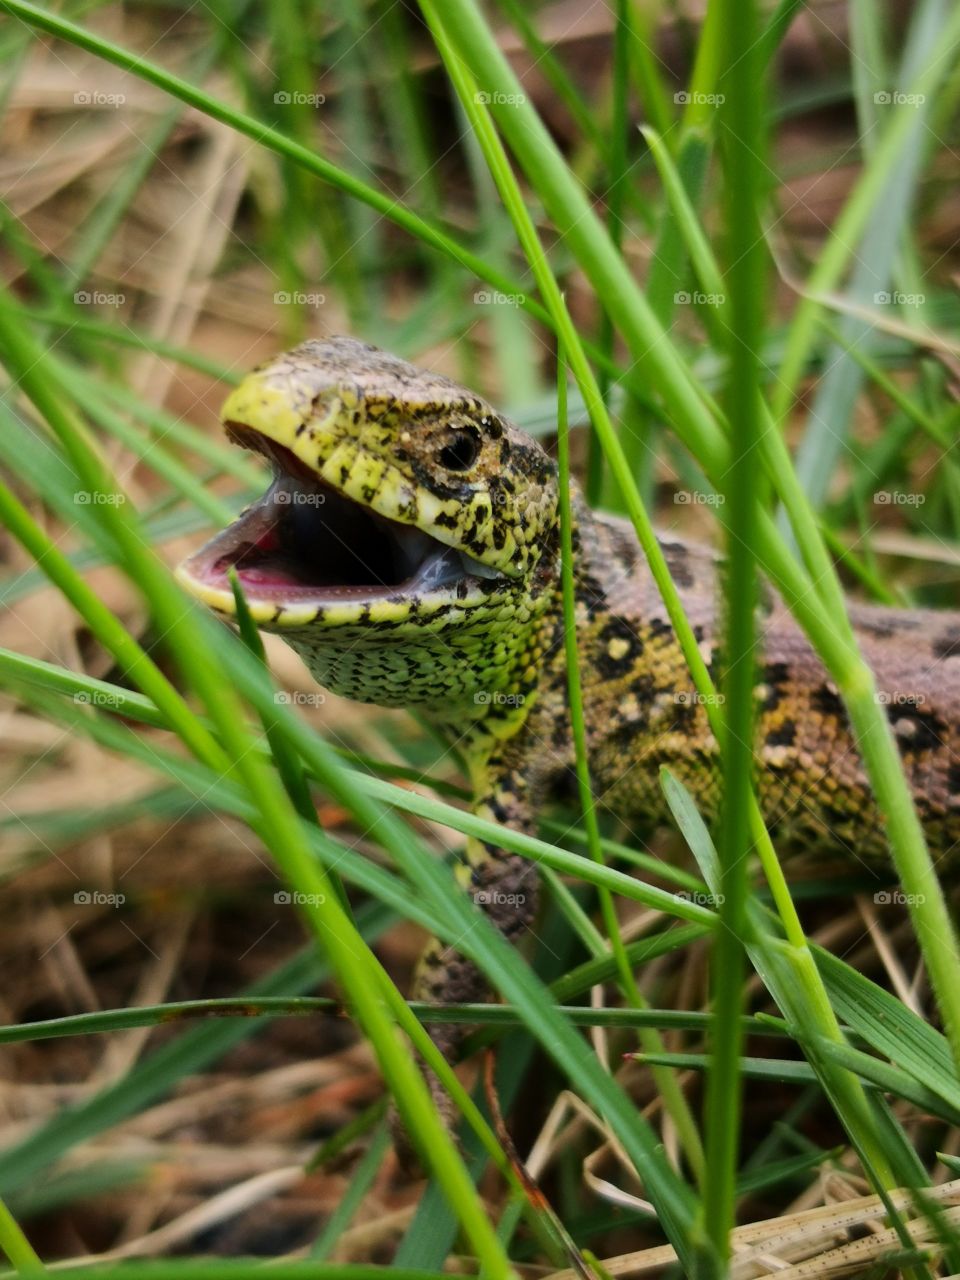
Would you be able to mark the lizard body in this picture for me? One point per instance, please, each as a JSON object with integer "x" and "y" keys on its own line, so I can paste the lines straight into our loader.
{"x": 409, "y": 551}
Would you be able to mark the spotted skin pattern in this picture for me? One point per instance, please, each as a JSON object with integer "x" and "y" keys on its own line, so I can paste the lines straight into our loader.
{"x": 373, "y": 427}
{"x": 486, "y": 659}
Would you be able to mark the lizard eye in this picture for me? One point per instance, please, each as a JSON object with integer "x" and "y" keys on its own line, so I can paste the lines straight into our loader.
{"x": 461, "y": 453}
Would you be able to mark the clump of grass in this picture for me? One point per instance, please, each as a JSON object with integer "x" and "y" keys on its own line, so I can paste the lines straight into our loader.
{"x": 716, "y": 396}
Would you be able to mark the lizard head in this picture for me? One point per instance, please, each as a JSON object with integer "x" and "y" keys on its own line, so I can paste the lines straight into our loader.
{"x": 405, "y": 514}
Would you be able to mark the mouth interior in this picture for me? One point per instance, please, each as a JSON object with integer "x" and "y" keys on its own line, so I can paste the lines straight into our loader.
{"x": 303, "y": 540}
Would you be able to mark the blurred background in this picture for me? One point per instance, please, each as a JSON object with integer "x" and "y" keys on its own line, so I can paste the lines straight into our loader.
{"x": 161, "y": 254}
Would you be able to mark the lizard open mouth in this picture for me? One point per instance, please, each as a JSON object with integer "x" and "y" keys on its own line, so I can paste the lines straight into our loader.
{"x": 305, "y": 543}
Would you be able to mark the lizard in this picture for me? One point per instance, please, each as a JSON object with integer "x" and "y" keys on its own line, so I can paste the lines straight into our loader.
{"x": 408, "y": 549}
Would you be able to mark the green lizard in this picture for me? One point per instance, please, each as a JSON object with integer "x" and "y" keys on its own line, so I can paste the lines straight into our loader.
{"x": 408, "y": 549}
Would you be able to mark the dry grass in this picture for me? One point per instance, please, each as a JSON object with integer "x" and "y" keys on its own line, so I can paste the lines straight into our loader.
{"x": 219, "y": 1166}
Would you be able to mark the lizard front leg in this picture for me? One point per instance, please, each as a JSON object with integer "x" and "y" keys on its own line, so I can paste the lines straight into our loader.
{"x": 508, "y": 788}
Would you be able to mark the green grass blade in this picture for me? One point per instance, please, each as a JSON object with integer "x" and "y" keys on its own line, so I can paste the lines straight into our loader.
{"x": 18, "y": 1249}
{"x": 266, "y": 136}
{"x": 898, "y": 137}
{"x": 743, "y": 115}
{"x": 361, "y": 1181}
{"x": 275, "y": 820}
{"x": 673, "y": 1098}
{"x": 826, "y": 431}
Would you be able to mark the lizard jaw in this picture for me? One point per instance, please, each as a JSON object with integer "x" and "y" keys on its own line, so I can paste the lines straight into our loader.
{"x": 305, "y": 548}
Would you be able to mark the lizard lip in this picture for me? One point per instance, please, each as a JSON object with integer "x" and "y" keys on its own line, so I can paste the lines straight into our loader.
{"x": 304, "y": 542}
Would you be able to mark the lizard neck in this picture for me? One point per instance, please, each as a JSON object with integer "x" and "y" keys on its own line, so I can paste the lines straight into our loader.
{"x": 538, "y": 667}
{"x": 463, "y": 665}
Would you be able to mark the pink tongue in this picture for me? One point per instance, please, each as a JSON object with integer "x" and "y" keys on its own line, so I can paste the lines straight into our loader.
{"x": 269, "y": 575}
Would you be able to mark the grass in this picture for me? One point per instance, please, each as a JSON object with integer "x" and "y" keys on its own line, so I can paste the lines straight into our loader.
{"x": 398, "y": 219}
